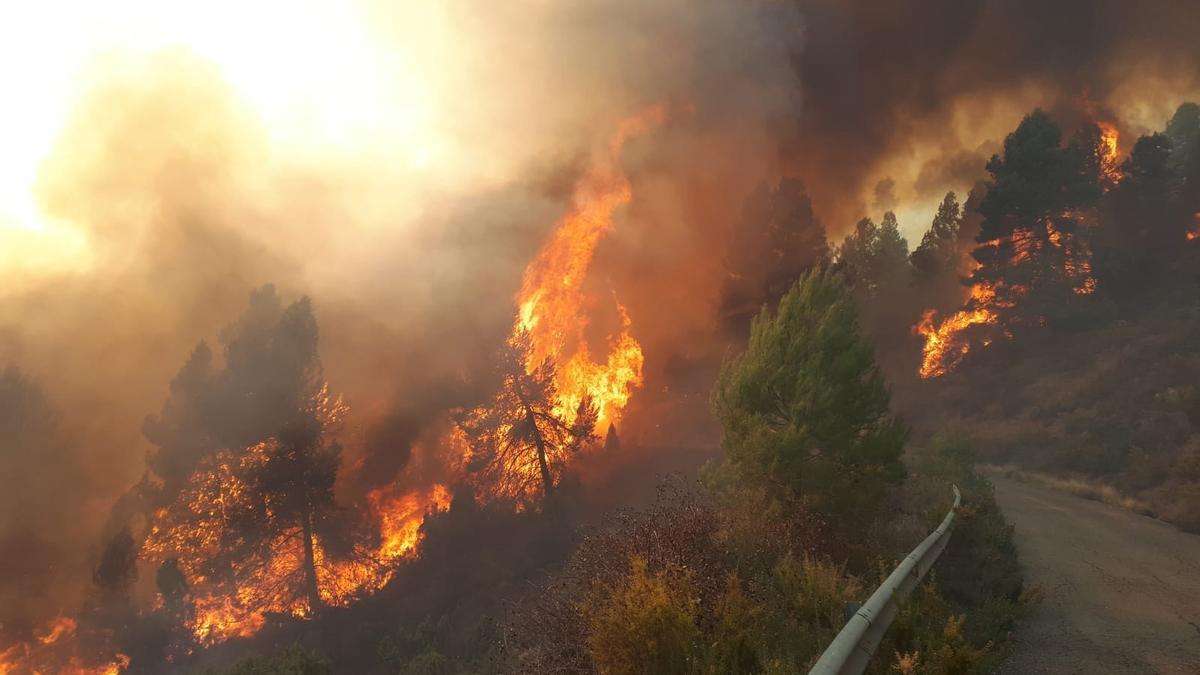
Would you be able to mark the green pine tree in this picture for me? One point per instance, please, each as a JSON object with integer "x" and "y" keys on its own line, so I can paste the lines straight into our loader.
{"x": 938, "y": 253}
{"x": 805, "y": 410}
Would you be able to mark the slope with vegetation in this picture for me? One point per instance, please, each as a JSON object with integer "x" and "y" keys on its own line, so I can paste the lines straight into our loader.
{"x": 750, "y": 570}
{"x": 1093, "y": 385}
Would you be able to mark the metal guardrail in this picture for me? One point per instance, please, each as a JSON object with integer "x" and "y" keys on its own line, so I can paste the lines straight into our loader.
{"x": 853, "y": 648}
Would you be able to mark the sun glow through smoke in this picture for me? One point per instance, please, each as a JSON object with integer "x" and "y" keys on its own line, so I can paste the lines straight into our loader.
{"x": 312, "y": 71}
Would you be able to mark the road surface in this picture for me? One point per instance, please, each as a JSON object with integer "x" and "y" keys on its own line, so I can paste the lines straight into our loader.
{"x": 1121, "y": 591}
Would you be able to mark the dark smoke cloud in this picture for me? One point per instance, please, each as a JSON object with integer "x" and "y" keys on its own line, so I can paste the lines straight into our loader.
{"x": 882, "y": 79}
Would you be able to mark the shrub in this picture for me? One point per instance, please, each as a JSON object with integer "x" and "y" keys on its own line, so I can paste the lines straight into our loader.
{"x": 644, "y": 624}
{"x": 292, "y": 661}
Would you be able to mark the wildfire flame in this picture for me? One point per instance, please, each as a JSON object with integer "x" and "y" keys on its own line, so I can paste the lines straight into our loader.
{"x": 944, "y": 346}
{"x": 54, "y": 652}
{"x": 552, "y": 309}
{"x": 947, "y": 342}
{"x": 219, "y": 616}
{"x": 222, "y": 610}
{"x": 401, "y": 516}
{"x": 59, "y": 627}
{"x": 1110, "y": 170}
{"x": 551, "y": 303}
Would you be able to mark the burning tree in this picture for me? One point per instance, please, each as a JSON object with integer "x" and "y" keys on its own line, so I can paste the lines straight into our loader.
{"x": 521, "y": 439}
{"x": 552, "y": 391}
{"x": 1153, "y": 212}
{"x": 271, "y": 371}
{"x": 1033, "y": 238}
{"x": 251, "y": 517}
{"x": 1034, "y": 246}
{"x": 252, "y": 527}
{"x": 1145, "y": 221}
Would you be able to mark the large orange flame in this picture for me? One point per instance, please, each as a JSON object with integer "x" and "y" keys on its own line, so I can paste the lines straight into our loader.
{"x": 551, "y": 303}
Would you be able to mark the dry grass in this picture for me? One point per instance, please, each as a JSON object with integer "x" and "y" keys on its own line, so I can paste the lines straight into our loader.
{"x": 1098, "y": 492}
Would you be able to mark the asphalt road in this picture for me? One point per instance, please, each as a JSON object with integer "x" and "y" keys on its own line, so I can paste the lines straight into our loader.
{"x": 1121, "y": 591}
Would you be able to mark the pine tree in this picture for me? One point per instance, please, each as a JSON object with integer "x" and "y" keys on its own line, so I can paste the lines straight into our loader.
{"x": 612, "y": 442}
{"x": 271, "y": 370}
{"x": 937, "y": 256}
{"x": 520, "y": 440}
{"x": 1144, "y": 221}
{"x": 856, "y": 255}
{"x": 1033, "y": 234}
{"x": 778, "y": 238}
{"x": 804, "y": 409}
{"x": 874, "y": 258}
{"x": 117, "y": 569}
{"x": 239, "y": 510}
{"x": 891, "y": 269}
{"x": 1184, "y": 132}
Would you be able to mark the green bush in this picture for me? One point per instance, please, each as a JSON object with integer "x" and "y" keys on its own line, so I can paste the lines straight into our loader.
{"x": 644, "y": 624}
{"x": 292, "y": 661}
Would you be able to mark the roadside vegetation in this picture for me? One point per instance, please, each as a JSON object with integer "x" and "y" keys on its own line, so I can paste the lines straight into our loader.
{"x": 1087, "y": 489}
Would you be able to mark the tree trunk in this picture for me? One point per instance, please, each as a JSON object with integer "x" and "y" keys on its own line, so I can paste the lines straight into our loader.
{"x": 543, "y": 463}
{"x": 310, "y": 563}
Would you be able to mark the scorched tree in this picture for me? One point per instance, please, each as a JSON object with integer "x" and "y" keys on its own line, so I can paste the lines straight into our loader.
{"x": 521, "y": 438}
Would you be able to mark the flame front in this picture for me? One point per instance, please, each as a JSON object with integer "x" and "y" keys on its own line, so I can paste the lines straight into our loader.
{"x": 944, "y": 343}
{"x": 551, "y": 303}
{"x": 222, "y": 610}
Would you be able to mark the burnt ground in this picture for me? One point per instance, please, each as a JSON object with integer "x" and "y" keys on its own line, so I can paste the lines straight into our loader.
{"x": 1121, "y": 591}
